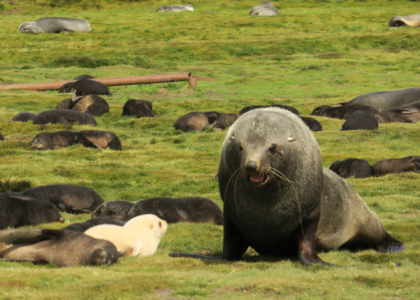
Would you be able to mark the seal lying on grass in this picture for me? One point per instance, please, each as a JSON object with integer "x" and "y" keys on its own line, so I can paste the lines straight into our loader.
{"x": 411, "y": 20}
{"x": 396, "y": 165}
{"x": 138, "y": 108}
{"x": 17, "y": 210}
{"x": 65, "y": 248}
{"x": 138, "y": 237}
{"x": 352, "y": 167}
{"x": 85, "y": 87}
{"x": 264, "y": 9}
{"x": 117, "y": 210}
{"x": 280, "y": 201}
{"x": 82, "y": 227}
{"x": 176, "y": 7}
{"x": 200, "y": 120}
{"x": 55, "y": 25}
{"x": 74, "y": 199}
{"x": 88, "y": 138}
{"x": 63, "y": 116}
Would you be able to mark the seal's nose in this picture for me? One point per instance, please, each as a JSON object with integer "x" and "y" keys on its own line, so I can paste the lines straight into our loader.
{"x": 251, "y": 166}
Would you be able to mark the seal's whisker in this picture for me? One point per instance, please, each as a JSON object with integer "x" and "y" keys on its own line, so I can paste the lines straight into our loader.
{"x": 230, "y": 179}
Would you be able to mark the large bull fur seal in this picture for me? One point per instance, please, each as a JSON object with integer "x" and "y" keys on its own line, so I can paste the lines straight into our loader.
{"x": 386, "y": 99}
{"x": 54, "y": 116}
{"x": 88, "y": 138}
{"x": 280, "y": 201}
{"x": 55, "y": 25}
{"x": 265, "y": 9}
{"x": 65, "y": 248}
{"x": 411, "y": 20}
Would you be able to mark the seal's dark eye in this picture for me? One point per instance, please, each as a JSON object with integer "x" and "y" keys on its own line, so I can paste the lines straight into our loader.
{"x": 273, "y": 149}
{"x": 160, "y": 224}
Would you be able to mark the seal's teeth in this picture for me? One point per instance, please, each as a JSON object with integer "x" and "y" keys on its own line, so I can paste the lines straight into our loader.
{"x": 290, "y": 139}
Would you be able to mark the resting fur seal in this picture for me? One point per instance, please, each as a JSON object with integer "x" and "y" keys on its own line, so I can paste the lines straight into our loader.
{"x": 404, "y": 114}
{"x": 361, "y": 120}
{"x": 138, "y": 237}
{"x": 84, "y": 76}
{"x": 200, "y": 120}
{"x": 138, "y": 108}
{"x": 176, "y": 7}
{"x": 55, "y": 116}
{"x": 312, "y": 124}
{"x": 252, "y": 107}
{"x": 65, "y": 248}
{"x": 82, "y": 227}
{"x": 342, "y": 112}
{"x": 55, "y": 25}
{"x": 352, "y": 167}
{"x": 411, "y": 20}
{"x": 386, "y": 99}
{"x": 396, "y": 165}
{"x": 1, "y": 137}
{"x": 280, "y": 201}
{"x": 74, "y": 199}
{"x": 17, "y": 211}
{"x": 114, "y": 210}
{"x": 88, "y": 138}
{"x": 173, "y": 210}
{"x": 91, "y": 104}
{"x": 85, "y": 87}
{"x": 265, "y": 9}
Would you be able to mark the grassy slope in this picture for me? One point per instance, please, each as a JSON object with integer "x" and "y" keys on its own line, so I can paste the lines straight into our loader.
{"x": 314, "y": 53}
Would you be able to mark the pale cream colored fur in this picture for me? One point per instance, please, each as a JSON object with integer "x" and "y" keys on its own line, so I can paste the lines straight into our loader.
{"x": 139, "y": 237}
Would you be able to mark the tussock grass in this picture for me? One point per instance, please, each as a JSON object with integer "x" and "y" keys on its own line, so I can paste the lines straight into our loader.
{"x": 313, "y": 53}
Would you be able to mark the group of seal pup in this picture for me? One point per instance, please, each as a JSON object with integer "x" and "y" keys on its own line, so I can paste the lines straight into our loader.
{"x": 264, "y": 9}
{"x": 359, "y": 168}
{"x": 131, "y": 228}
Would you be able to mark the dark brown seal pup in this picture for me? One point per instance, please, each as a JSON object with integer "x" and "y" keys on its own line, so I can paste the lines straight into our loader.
{"x": 352, "y": 167}
{"x": 1, "y": 137}
{"x": 404, "y": 114}
{"x": 82, "y": 227}
{"x": 411, "y": 20}
{"x": 342, "y": 112}
{"x": 396, "y": 165}
{"x": 17, "y": 211}
{"x": 64, "y": 104}
{"x": 67, "y": 197}
{"x": 138, "y": 108}
{"x": 88, "y": 138}
{"x": 200, "y": 120}
{"x": 252, "y": 107}
{"x": 280, "y": 201}
{"x": 114, "y": 210}
{"x": 64, "y": 248}
{"x": 386, "y": 99}
{"x": 85, "y": 87}
{"x": 55, "y": 116}
{"x": 361, "y": 120}
{"x": 173, "y": 210}
{"x": 312, "y": 124}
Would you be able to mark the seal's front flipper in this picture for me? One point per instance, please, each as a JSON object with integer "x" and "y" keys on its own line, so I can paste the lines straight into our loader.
{"x": 305, "y": 235}
{"x": 234, "y": 242}
{"x": 389, "y": 244}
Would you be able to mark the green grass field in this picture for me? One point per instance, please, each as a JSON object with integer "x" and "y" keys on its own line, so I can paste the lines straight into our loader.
{"x": 313, "y": 53}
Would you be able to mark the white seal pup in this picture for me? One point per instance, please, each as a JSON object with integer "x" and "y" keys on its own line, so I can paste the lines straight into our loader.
{"x": 138, "y": 237}
{"x": 176, "y": 7}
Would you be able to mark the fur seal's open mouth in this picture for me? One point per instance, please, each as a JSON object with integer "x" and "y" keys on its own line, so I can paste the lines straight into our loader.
{"x": 258, "y": 180}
